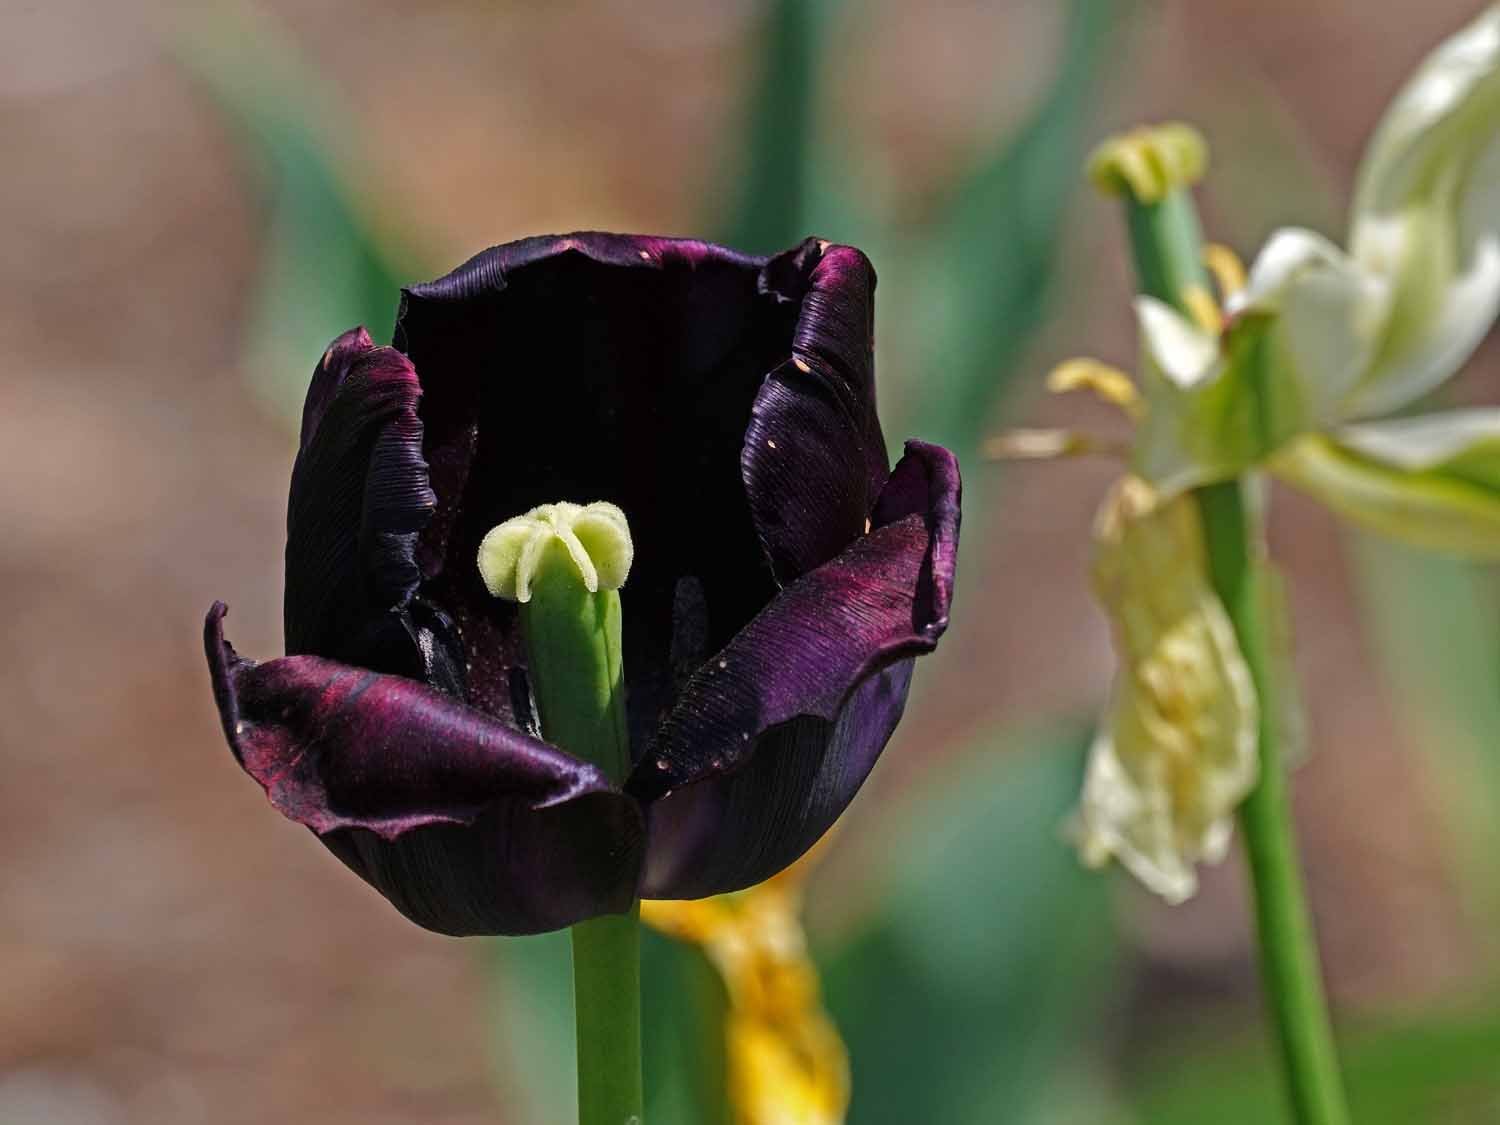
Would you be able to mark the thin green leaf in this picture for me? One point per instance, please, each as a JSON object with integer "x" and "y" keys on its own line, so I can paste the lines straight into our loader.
{"x": 531, "y": 1026}
{"x": 1436, "y": 1068}
{"x": 771, "y": 174}
{"x": 962, "y": 997}
{"x": 984, "y": 277}
{"x": 327, "y": 266}
{"x": 1436, "y": 626}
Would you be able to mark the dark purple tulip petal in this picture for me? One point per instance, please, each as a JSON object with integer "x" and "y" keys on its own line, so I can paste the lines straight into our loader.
{"x": 773, "y": 736}
{"x": 359, "y": 497}
{"x": 814, "y": 457}
{"x": 607, "y": 367}
{"x": 465, "y": 825}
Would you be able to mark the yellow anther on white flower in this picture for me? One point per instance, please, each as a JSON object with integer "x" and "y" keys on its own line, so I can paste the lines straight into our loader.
{"x": 1108, "y": 383}
{"x": 1225, "y": 265}
{"x": 1203, "y": 308}
{"x": 1149, "y": 163}
{"x": 1042, "y": 445}
{"x": 595, "y": 537}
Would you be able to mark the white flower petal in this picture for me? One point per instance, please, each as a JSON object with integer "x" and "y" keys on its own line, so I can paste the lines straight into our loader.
{"x": 1330, "y": 315}
{"x": 1427, "y": 441}
{"x": 1446, "y": 106}
{"x": 1178, "y": 348}
{"x": 1427, "y": 216}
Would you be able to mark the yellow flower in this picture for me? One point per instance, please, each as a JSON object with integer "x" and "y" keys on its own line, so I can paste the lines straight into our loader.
{"x": 786, "y": 1063}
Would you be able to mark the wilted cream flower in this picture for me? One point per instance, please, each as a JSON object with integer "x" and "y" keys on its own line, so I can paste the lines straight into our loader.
{"x": 1314, "y": 345}
{"x": 1176, "y": 753}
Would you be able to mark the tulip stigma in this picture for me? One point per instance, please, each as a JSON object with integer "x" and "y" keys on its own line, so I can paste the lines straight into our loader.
{"x": 564, "y": 565}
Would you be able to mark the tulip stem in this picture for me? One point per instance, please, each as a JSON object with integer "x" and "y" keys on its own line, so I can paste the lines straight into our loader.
{"x": 1288, "y": 948}
{"x": 574, "y": 662}
{"x": 607, "y": 1008}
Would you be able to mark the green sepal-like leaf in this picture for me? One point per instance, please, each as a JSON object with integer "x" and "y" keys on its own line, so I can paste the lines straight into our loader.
{"x": 1431, "y": 481}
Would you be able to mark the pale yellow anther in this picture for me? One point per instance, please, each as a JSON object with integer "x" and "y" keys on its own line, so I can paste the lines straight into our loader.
{"x": 594, "y": 537}
{"x": 1108, "y": 383}
{"x": 1228, "y": 270}
{"x": 1149, "y": 162}
{"x": 1047, "y": 445}
{"x": 1203, "y": 308}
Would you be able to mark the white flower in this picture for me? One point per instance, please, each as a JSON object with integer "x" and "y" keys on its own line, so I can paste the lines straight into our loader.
{"x": 1320, "y": 337}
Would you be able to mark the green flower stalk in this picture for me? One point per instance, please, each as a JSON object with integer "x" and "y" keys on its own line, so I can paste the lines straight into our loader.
{"x": 565, "y": 564}
{"x": 1219, "y": 742}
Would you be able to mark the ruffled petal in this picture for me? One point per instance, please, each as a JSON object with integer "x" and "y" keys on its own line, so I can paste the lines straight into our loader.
{"x": 814, "y": 458}
{"x": 465, "y": 825}
{"x": 774, "y": 735}
{"x": 608, "y": 367}
{"x": 359, "y": 497}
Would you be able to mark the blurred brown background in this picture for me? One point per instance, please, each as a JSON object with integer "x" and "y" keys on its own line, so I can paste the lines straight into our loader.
{"x": 171, "y": 950}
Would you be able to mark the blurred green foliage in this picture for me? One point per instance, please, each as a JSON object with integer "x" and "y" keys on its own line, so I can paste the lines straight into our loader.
{"x": 965, "y": 287}
{"x": 327, "y": 266}
{"x": 969, "y": 993}
{"x": 1438, "y": 1069}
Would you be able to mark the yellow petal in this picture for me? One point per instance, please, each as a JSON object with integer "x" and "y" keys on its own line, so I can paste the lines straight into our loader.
{"x": 785, "y": 1062}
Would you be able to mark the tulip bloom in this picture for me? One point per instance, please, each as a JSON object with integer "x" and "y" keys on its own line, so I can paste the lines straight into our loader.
{"x": 783, "y": 580}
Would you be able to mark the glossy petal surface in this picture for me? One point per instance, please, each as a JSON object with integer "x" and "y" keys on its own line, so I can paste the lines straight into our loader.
{"x": 465, "y": 825}
{"x": 774, "y": 735}
{"x": 814, "y": 457}
{"x": 359, "y": 496}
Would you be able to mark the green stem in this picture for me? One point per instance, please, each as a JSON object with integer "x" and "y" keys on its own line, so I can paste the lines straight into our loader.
{"x": 575, "y": 666}
{"x": 1167, "y": 244}
{"x": 1288, "y": 949}
{"x": 607, "y": 1006}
